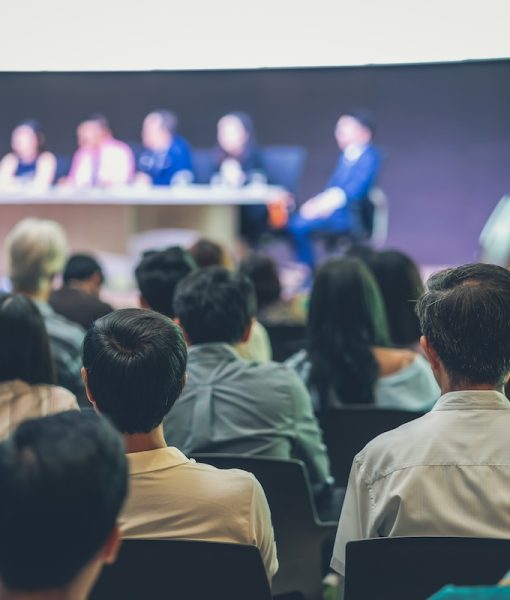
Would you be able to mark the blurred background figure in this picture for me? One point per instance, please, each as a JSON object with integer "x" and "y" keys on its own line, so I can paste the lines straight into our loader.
{"x": 27, "y": 373}
{"x": 238, "y": 163}
{"x": 350, "y": 358}
{"x": 166, "y": 156}
{"x": 210, "y": 254}
{"x": 29, "y": 161}
{"x": 343, "y": 207}
{"x": 100, "y": 160}
{"x": 78, "y": 299}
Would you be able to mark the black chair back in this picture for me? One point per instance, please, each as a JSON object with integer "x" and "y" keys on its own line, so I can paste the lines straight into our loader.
{"x": 414, "y": 568}
{"x": 298, "y": 532}
{"x": 284, "y": 165}
{"x": 348, "y": 430}
{"x": 183, "y": 570}
{"x": 286, "y": 340}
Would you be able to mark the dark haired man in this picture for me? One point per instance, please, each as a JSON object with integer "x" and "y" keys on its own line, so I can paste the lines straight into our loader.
{"x": 134, "y": 370}
{"x": 230, "y": 404}
{"x": 157, "y": 276}
{"x": 166, "y": 156}
{"x": 63, "y": 480}
{"x": 78, "y": 299}
{"x": 448, "y": 472}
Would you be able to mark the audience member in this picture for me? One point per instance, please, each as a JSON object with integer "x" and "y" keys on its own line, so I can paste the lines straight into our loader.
{"x": 349, "y": 359}
{"x": 232, "y": 405}
{"x": 343, "y": 207}
{"x": 210, "y": 254}
{"x": 157, "y": 276}
{"x": 29, "y": 161}
{"x": 36, "y": 251}
{"x": 78, "y": 298}
{"x": 63, "y": 480}
{"x": 272, "y": 308}
{"x": 100, "y": 160}
{"x": 134, "y": 369}
{"x": 166, "y": 156}
{"x": 448, "y": 472}
{"x": 27, "y": 374}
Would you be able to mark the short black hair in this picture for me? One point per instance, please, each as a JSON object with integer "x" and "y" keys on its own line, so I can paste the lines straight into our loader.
{"x": 263, "y": 272}
{"x": 465, "y": 315}
{"x": 207, "y": 253}
{"x": 136, "y": 364}
{"x": 158, "y": 274}
{"x": 80, "y": 267}
{"x": 63, "y": 480}
{"x": 25, "y": 348}
{"x": 214, "y": 305}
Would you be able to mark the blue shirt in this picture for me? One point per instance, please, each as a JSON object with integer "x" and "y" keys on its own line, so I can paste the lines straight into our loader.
{"x": 162, "y": 166}
{"x": 356, "y": 177}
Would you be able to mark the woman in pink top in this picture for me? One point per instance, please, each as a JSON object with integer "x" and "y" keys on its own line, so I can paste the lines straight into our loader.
{"x": 27, "y": 377}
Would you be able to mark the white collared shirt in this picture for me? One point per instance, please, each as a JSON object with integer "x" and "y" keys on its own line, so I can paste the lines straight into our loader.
{"x": 444, "y": 474}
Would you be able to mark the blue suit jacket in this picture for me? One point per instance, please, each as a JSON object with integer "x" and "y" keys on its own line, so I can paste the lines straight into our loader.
{"x": 356, "y": 177}
{"x": 162, "y": 166}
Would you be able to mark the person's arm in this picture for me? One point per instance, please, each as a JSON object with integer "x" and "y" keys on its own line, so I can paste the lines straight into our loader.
{"x": 8, "y": 166}
{"x": 262, "y": 530}
{"x": 45, "y": 170}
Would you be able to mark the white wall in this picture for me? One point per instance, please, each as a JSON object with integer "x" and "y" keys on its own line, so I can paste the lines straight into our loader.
{"x": 202, "y": 34}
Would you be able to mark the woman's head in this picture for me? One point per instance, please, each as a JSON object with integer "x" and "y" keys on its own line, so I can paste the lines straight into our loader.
{"x": 346, "y": 319}
{"x": 235, "y": 134}
{"x": 263, "y": 272}
{"x": 27, "y": 140}
{"x": 25, "y": 350}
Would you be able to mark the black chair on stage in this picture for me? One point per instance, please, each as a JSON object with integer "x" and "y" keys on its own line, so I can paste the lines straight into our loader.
{"x": 414, "y": 568}
{"x": 183, "y": 570}
{"x": 284, "y": 165}
{"x": 286, "y": 340}
{"x": 348, "y": 430}
{"x": 299, "y": 533}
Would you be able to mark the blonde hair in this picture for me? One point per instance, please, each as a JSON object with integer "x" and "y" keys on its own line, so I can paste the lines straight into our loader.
{"x": 36, "y": 250}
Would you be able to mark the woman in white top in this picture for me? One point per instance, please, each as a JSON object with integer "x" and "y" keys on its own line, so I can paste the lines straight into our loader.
{"x": 350, "y": 358}
{"x": 27, "y": 374}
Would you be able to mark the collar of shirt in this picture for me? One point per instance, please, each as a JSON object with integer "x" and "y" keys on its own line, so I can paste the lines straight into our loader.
{"x": 354, "y": 151}
{"x": 215, "y": 351}
{"x": 44, "y": 308}
{"x": 155, "y": 460}
{"x": 473, "y": 399}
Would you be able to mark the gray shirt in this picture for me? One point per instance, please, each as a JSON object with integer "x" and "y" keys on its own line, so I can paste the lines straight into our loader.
{"x": 235, "y": 406}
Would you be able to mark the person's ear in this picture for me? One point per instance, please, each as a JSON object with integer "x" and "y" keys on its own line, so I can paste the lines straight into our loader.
{"x": 430, "y": 353}
{"x": 143, "y": 302}
{"x": 84, "y": 376}
{"x": 247, "y": 333}
{"x": 111, "y": 547}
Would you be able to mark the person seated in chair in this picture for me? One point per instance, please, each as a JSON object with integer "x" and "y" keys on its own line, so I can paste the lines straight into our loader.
{"x": 134, "y": 368}
{"x": 63, "y": 480}
{"x": 343, "y": 207}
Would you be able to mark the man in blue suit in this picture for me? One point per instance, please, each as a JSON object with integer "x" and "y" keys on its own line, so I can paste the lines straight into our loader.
{"x": 342, "y": 206}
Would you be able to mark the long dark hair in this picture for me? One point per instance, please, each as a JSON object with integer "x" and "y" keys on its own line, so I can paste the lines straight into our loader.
{"x": 346, "y": 319}
{"x": 24, "y": 348}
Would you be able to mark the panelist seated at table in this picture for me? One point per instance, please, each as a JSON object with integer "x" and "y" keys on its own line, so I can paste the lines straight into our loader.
{"x": 101, "y": 160}
{"x": 341, "y": 207}
{"x": 28, "y": 162}
{"x": 166, "y": 156}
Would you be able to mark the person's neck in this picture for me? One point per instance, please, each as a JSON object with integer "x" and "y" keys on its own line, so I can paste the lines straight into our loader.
{"x": 42, "y": 295}
{"x": 143, "y": 442}
{"x": 81, "y": 286}
{"x": 448, "y": 386}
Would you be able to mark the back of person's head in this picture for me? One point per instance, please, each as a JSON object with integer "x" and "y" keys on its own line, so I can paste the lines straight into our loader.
{"x": 135, "y": 363}
{"x": 263, "y": 272}
{"x": 36, "y": 251}
{"x": 25, "y": 349}
{"x": 63, "y": 480}
{"x": 215, "y": 306}
{"x": 80, "y": 267}
{"x": 207, "y": 253}
{"x": 158, "y": 274}
{"x": 465, "y": 316}
{"x": 346, "y": 319}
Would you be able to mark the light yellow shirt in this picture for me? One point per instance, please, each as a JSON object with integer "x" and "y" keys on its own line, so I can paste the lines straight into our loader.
{"x": 173, "y": 497}
{"x": 444, "y": 474}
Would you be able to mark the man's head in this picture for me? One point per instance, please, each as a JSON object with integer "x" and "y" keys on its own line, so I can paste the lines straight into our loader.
{"x": 215, "y": 305}
{"x": 134, "y": 367}
{"x": 157, "y": 276}
{"x": 158, "y": 130}
{"x": 84, "y": 272}
{"x": 63, "y": 480}
{"x": 465, "y": 320}
{"x": 354, "y": 128}
{"x": 36, "y": 251}
{"x": 93, "y": 131}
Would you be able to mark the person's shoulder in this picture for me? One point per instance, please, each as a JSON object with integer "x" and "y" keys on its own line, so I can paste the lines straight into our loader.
{"x": 393, "y": 360}
{"x": 224, "y": 482}
{"x": 61, "y": 398}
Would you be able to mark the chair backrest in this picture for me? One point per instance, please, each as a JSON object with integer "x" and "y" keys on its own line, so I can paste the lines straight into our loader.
{"x": 380, "y": 217}
{"x": 284, "y": 165}
{"x": 414, "y": 568}
{"x": 348, "y": 430}
{"x": 183, "y": 570}
{"x": 286, "y": 340}
{"x": 297, "y": 531}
